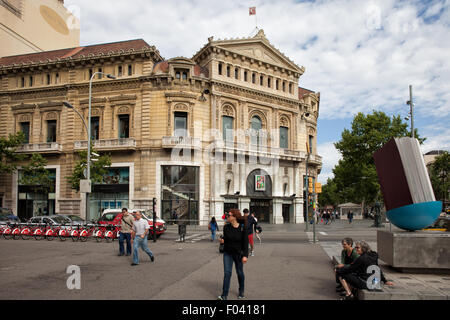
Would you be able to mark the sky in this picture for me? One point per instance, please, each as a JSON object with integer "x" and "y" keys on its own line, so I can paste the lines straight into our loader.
{"x": 360, "y": 55}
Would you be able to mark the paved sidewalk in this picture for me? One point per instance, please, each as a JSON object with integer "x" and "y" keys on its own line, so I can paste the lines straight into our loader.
{"x": 407, "y": 286}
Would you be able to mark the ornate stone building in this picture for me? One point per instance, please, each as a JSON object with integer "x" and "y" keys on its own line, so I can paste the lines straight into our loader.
{"x": 226, "y": 128}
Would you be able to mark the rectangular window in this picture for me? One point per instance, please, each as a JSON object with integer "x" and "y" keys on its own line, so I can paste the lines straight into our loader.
{"x": 290, "y": 88}
{"x": 245, "y": 76}
{"x": 284, "y": 86}
{"x": 57, "y": 78}
{"x": 228, "y": 71}
{"x": 261, "y": 80}
{"x": 184, "y": 75}
{"x": 268, "y": 82}
{"x": 119, "y": 71}
{"x": 311, "y": 144}
{"x": 100, "y": 75}
{"x": 130, "y": 70}
{"x": 124, "y": 126}
{"x": 220, "y": 69}
{"x": 91, "y": 72}
{"x": 31, "y": 81}
{"x": 284, "y": 137}
{"x": 51, "y": 130}
{"x": 236, "y": 73}
{"x": 253, "y": 78}
{"x": 95, "y": 128}
{"x": 49, "y": 79}
{"x": 180, "y": 122}
{"x": 277, "y": 84}
{"x": 177, "y": 75}
{"x": 22, "y": 82}
{"x": 227, "y": 128}
{"x": 25, "y": 128}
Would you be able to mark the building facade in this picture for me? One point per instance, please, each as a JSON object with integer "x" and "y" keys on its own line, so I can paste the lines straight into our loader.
{"x": 226, "y": 128}
{"x": 36, "y": 26}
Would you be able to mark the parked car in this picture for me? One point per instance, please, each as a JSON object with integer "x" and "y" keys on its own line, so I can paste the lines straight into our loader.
{"x": 114, "y": 217}
{"x": 441, "y": 224}
{"x": 74, "y": 219}
{"x": 53, "y": 220}
{"x": 7, "y": 216}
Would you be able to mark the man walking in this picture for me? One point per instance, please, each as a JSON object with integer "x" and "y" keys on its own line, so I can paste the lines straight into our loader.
{"x": 126, "y": 226}
{"x": 139, "y": 234}
{"x": 251, "y": 224}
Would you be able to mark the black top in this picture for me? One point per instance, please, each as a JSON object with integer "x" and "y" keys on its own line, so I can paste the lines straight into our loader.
{"x": 251, "y": 225}
{"x": 360, "y": 265}
{"x": 235, "y": 240}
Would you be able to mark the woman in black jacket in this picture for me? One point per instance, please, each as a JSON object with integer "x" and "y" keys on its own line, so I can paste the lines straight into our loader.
{"x": 235, "y": 242}
{"x": 356, "y": 274}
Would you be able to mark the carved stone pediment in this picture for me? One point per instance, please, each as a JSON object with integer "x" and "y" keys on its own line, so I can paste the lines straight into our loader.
{"x": 23, "y": 108}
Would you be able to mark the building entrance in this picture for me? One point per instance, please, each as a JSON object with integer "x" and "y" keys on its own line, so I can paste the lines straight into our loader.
{"x": 262, "y": 209}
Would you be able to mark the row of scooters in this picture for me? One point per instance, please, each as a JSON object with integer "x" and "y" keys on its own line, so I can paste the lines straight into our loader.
{"x": 40, "y": 231}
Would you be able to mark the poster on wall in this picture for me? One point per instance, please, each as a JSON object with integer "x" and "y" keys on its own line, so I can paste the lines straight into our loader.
{"x": 260, "y": 183}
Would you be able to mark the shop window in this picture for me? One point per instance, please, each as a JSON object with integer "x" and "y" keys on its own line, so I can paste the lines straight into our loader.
{"x": 25, "y": 128}
{"x": 51, "y": 130}
{"x": 180, "y": 122}
{"x": 95, "y": 128}
{"x": 227, "y": 128}
{"x": 284, "y": 137}
{"x": 124, "y": 126}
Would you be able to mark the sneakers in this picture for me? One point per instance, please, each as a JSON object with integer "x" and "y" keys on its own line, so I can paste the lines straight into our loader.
{"x": 134, "y": 264}
{"x": 240, "y": 297}
{"x": 252, "y": 254}
{"x": 221, "y": 298}
{"x": 152, "y": 258}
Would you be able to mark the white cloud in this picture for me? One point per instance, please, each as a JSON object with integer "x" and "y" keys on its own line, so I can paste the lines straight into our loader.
{"x": 330, "y": 158}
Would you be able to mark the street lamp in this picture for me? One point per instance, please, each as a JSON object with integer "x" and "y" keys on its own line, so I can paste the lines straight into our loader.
{"x": 110, "y": 76}
{"x": 304, "y": 116}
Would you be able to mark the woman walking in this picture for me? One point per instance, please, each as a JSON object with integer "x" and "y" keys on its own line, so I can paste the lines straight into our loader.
{"x": 235, "y": 242}
{"x": 213, "y": 227}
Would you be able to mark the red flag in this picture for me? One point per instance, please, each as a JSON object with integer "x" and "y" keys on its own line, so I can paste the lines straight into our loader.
{"x": 252, "y": 11}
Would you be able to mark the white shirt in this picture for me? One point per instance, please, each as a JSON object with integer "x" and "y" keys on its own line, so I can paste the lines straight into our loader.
{"x": 140, "y": 226}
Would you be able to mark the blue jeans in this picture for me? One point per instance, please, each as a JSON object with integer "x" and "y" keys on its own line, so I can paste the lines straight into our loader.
{"x": 140, "y": 243}
{"x": 127, "y": 237}
{"x": 228, "y": 268}
{"x": 213, "y": 234}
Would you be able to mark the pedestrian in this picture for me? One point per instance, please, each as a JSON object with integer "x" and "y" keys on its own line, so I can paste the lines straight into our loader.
{"x": 126, "y": 227}
{"x": 213, "y": 227}
{"x": 235, "y": 240}
{"x": 251, "y": 228}
{"x": 139, "y": 234}
{"x": 350, "y": 216}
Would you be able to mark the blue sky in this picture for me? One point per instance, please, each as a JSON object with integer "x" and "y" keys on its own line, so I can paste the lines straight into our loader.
{"x": 360, "y": 55}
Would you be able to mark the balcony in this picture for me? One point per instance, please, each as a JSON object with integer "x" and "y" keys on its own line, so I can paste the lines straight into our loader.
{"x": 48, "y": 147}
{"x": 109, "y": 144}
{"x": 255, "y": 150}
{"x": 181, "y": 142}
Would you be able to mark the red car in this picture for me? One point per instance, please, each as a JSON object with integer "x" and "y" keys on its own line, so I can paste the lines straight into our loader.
{"x": 114, "y": 217}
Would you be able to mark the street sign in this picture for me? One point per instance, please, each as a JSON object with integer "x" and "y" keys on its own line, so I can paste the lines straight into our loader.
{"x": 85, "y": 186}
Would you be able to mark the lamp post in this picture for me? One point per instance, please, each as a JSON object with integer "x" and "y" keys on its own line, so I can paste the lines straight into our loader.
{"x": 88, "y": 130}
{"x": 305, "y": 115}
{"x": 411, "y": 114}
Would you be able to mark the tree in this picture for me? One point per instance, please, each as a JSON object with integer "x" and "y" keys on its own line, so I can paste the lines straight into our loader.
{"x": 34, "y": 174}
{"x": 8, "y": 156}
{"x": 355, "y": 176}
{"x": 439, "y": 172}
{"x": 329, "y": 195}
{"x": 98, "y": 169}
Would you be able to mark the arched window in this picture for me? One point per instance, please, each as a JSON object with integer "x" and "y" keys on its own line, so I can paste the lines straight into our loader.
{"x": 284, "y": 137}
{"x": 256, "y": 126}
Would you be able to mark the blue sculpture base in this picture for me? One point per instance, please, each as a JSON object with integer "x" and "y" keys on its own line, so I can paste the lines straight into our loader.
{"x": 415, "y": 216}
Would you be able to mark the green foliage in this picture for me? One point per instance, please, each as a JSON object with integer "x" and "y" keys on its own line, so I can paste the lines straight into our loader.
{"x": 34, "y": 174}
{"x": 98, "y": 169}
{"x": 8, "y": 155}
{"x": 355, "y": 177}
{"x": 439, "y": 172}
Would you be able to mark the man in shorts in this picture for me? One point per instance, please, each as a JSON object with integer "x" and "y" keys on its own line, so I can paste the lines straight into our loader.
{"x": 251, "y": 224}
